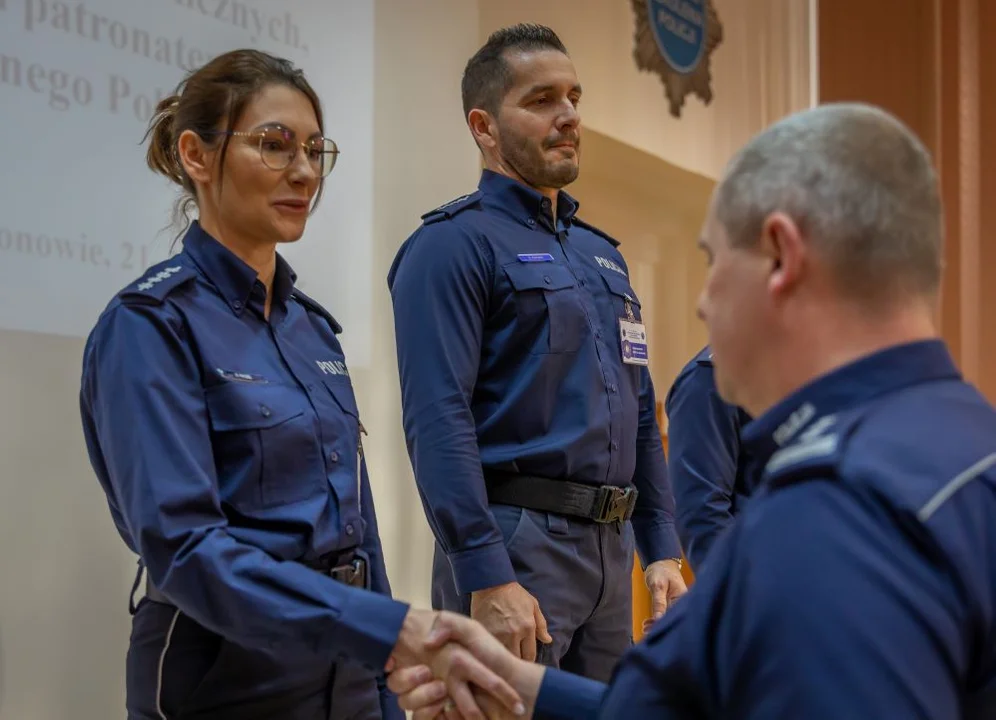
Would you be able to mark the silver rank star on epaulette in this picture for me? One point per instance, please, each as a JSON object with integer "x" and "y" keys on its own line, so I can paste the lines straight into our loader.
{"x": 148, "y": 283}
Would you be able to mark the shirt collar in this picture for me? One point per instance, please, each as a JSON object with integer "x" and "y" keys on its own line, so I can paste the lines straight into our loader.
{"x": 234, "y": 279}
{"x": 882, "y": 372}
{"x": 523, "y": 203}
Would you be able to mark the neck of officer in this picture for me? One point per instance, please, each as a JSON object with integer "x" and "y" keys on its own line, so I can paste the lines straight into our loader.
{"x": 825, "y": 340}
{"x": 260, "y": 256}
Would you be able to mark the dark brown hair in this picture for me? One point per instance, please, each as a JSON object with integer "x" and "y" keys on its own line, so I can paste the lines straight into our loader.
{"x": 488, "y": 78}
{"x": 208, "y": 96}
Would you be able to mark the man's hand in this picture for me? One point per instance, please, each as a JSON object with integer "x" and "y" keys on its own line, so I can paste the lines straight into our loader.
{"x": 426, "y": 639}
{"x": 513, "y": 616}
{"x": 666, "y": 585}
{"x": 417, "y": 691}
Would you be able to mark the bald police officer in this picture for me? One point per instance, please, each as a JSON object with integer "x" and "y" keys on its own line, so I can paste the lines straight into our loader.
{"x": 860, "y": 580}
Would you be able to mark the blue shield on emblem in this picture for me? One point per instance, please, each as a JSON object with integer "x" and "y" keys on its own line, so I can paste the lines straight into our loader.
{"x": 679, "y": 28}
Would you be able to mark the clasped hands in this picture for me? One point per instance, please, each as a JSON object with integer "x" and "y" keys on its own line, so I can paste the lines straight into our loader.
{"x": 449, "y": 666}
{"x": 474, "y": 660}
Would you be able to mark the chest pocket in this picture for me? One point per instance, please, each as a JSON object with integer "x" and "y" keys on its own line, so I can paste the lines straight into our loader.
{"x": 265, "y": 442}
{"x": 621, "y": 291}
{"x": 548, "y": 307}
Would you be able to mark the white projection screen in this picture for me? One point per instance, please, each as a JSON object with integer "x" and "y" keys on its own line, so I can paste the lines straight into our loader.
{"x": 82, "y": 214}
{"x": 80, "y": 217}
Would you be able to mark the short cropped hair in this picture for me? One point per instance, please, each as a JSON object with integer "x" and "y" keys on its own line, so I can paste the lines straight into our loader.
{"x": 860, "y": 185}
{"x": 487, "y": 77}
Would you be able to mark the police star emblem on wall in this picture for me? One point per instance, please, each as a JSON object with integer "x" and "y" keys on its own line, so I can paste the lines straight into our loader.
{"x": 674, "y": 39}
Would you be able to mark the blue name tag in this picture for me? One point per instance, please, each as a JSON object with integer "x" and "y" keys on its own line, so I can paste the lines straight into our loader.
{"x": 535, "y": 257}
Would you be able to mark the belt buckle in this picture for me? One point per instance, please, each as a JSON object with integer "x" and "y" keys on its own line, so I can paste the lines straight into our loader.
{"x": 615, "y": 503}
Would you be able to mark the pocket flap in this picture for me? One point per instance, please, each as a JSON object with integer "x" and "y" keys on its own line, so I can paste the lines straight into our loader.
{"x": 244, "y": 406}
{"x": 618, "y": 285}
{"x": 539, "y": 276}
{"x": 342, "y": 391}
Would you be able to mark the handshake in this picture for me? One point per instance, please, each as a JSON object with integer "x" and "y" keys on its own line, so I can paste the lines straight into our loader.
{"x": 449, "y": 666}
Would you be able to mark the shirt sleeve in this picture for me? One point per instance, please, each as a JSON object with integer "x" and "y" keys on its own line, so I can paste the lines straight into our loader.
{"x": 563, "y": 696}
{"x": 703, "y": 448}
{"x": 145, "y": 417}
{"x": 441, "y": 291}
{"x": 653, "y": 517}
{"x": 822, "y": 605}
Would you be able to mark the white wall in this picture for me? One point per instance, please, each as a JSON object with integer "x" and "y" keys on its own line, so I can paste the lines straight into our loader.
{"x": 423, "y": 157}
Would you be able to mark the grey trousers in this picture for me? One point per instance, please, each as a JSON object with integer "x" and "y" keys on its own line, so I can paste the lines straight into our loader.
{"x": 580, "y": 572}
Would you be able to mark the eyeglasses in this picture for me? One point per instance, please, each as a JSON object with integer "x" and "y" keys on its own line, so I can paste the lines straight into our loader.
{"x": 278, "y": 148}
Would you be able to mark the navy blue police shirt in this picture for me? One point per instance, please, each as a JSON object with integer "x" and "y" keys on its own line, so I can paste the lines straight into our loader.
{"x": 509, "y": 351}
{"x": 707, "y": 465}
{"x": 860, "y": 580}
{"x": 229, "y": 449}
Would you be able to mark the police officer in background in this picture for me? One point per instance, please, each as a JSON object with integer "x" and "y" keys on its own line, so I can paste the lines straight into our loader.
{"x": 860, "y": 580}
{"x": 528, "y": 406}
{"x": 220, "y": 420}
{"x": 707, "y": 464}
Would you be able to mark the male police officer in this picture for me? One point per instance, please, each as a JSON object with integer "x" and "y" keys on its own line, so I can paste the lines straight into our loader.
{"x": 528, "y": 405}
{"x": 708, "y": 467}
{"x": 860, "y": 580}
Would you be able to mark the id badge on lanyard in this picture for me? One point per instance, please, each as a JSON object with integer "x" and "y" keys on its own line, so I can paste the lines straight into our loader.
{"x": 633, "y": 338}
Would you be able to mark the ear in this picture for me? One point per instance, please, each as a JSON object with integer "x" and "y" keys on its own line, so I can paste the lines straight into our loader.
{"x": 197, "y": 159}
{"x": 483, "y": 128}
{"x": 782, "y": 243}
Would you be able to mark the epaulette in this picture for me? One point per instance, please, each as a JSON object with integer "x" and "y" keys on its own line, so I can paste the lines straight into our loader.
{"x": 159, "y": 281}
{"x": 316, "y": 308}
{"x": 816, "y": 452}
{"x": 704, "y": 358}
{"x": 451, "y": 208}
{"x": 592, "y": 228}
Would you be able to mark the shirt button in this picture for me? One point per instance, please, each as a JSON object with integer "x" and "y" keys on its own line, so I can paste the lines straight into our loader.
{"x": 530, "y": 222}
{"x": 237, "y": 304}
{"x": 349, "y": 530}
{"x": 264, "y": 411}
{"x": 334, "y": 456}
{"x": 612, "y": 388}
{"x": 615, "y": 446}
{"x": 546, "y": 279}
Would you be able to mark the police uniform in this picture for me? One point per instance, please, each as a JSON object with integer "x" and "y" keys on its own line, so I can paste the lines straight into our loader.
{"x": 530, "y": 414}
{"x": 708, "y": 466}
{"x": 229, "y": 449}
{"x": 859, "y": 582}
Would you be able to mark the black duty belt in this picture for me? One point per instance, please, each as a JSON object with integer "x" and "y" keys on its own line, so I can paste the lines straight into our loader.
{"x": 598, "y": 503}
{"x": 353, "y": 573}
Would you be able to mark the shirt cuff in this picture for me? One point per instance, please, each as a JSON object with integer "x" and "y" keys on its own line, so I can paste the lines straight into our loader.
{"x": 481, "y": 567}
{"x": 367, "y": 629}
{"x": 563, "y": 696}
{"x": 656, "y": 540}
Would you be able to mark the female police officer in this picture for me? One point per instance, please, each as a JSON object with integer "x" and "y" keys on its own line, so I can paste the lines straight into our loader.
{"x": 219, "y": 417}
